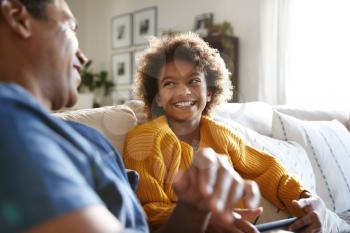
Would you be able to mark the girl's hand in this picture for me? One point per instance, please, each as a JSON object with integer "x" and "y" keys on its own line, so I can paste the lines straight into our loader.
{"x": 315, "y": 212}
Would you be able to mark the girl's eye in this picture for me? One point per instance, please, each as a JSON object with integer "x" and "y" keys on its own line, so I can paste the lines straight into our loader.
{"x": 195, "y": 81}
{"x": 168, "y": 84}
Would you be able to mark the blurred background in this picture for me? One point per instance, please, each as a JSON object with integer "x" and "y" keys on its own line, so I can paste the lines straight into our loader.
{"x": 279, "y": 51}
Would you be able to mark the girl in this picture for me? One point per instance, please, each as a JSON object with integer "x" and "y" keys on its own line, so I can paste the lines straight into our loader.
{"x": 181, "y": 79}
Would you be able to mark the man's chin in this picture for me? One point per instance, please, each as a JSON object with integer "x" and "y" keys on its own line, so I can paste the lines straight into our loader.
{"x": 72, "y": 101}
{"x": 69, "y": 105}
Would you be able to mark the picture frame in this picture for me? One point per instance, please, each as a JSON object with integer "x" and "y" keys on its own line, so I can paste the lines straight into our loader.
{"x": 203, "y": 22}
{"x": 144, "y": 25}
{"x": 121, "y": 31}
{"x": 121, "y": 68}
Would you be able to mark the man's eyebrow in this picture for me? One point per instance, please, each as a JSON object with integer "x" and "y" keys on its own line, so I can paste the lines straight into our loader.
{"x": 73, "y": 24}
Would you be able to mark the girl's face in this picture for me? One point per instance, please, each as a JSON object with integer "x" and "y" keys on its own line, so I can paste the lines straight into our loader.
{"x": 183, "y": 92}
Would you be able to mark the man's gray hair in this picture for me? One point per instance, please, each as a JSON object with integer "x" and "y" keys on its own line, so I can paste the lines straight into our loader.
{"x": 36, "y": 8}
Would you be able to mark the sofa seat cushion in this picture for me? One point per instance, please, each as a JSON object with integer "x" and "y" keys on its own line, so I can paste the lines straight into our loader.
{"x": 327, "y": 144}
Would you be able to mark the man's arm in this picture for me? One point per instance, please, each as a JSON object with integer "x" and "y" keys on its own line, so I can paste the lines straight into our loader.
{"x": 94, "y": 219}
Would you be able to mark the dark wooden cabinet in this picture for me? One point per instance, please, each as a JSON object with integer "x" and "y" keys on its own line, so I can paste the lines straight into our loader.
{"x": 228, "y": 47}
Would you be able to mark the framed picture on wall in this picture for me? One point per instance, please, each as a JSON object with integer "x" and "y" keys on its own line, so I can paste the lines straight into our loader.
{"x": 121, "y": 31}
{"x": 144, "y": 24}
{"x": 202, "y": 23}
{"x": 121, "y": 68}
{"x": 204, "y": 20}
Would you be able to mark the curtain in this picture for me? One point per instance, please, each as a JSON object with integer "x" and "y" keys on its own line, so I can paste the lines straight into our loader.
{"x": 305, "y": 57}
{"x": 274, "y": 30}
{"x": 317, "y": 71}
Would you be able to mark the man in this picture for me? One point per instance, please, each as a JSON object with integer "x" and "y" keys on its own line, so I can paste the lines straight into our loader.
{"x": 52, "y": 178}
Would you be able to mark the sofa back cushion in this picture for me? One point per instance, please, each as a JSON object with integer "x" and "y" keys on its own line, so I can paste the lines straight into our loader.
{"x": 254, "y": 115}
{"x": 113, "y": 121}
{"x": 315, "y": 114}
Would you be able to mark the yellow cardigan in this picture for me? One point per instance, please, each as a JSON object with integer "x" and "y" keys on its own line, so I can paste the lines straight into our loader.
{"x": 153, "y": 150}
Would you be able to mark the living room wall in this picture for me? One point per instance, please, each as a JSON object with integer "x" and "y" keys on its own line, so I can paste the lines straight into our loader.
{"x": 94, "y": 19}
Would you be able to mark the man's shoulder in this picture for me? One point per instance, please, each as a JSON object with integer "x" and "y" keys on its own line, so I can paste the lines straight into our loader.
{"x": 30, "y": 133}
{"x": 85, "y": 130}
{"x": 17, "y": 114}
{"x": 17, "y": 123}
{"x": 33, "y": 166}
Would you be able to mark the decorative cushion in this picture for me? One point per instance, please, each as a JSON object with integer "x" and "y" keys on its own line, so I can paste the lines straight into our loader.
{"x": 291, "y": 154}
{"x": 327, "y": 144}
{"x": 113, "y": 121}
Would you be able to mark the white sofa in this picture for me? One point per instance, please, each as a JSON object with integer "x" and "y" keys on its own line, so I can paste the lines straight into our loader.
{"x": 267, "y": 128}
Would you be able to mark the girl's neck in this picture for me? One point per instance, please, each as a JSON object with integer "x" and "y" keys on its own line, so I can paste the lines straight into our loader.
{"x": 187, "y": 131}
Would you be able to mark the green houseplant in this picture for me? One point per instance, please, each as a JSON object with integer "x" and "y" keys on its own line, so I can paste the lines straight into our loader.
{"x": 223, "y": 30}
{"x": 95, "y": 82}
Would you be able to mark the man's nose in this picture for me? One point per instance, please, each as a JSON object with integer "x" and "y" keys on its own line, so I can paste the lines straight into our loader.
{"x": 81, "y": 57}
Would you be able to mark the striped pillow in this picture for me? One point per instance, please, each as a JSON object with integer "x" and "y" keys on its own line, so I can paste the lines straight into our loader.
{"x": 327, "y": 144}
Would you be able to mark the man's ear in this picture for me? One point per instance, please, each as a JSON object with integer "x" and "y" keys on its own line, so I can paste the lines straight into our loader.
{"x": 16, "y": 15}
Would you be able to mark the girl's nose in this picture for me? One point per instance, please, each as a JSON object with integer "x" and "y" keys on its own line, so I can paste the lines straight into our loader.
{"x": 183, "y": 90}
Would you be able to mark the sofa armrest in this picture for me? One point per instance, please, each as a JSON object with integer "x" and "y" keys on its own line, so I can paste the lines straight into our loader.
{"x": 112, "y": 121}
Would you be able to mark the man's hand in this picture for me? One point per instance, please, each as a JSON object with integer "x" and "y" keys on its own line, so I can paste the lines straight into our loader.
{"x": 315, "y": 211}
{"x": 215, "y": 226}
{"x": 212, "y": 185}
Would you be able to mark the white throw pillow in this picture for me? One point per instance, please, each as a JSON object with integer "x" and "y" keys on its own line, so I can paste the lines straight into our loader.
{"x": 291, "y": 154}
{"x": 327, "y": 144}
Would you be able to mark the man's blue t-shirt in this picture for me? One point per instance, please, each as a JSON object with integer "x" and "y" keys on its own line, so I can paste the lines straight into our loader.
{"x": 49, "y": 167}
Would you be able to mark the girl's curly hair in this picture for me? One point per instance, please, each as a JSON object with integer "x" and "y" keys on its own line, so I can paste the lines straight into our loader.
{"x": 189, "y": 47}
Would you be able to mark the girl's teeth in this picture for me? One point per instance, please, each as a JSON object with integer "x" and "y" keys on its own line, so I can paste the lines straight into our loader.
{"x": 184, "y": 104}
